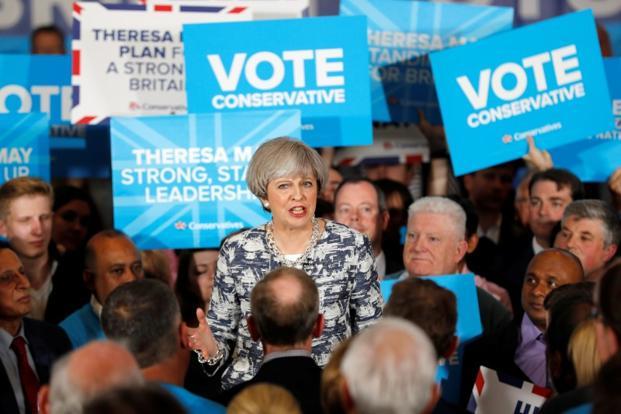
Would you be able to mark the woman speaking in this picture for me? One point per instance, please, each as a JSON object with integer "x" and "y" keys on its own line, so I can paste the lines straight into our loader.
{"x": 286, "y": 175}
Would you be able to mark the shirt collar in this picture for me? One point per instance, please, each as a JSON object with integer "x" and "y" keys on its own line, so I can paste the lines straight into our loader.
{"x": 530, "y": 332}
{"x": 6, "y": 339}
{"x": 283, "y": 354}
{"x": 96, "y": 306}
{"x": 537, "y": 248}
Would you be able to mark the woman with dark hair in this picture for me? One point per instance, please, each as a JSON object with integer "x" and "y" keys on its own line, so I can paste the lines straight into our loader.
{"x": 75, "y": 219}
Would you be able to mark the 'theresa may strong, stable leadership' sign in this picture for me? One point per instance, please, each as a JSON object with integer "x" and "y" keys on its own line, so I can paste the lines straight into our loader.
{"x": 546, "y": 80}
{"x": 316, "y": 65}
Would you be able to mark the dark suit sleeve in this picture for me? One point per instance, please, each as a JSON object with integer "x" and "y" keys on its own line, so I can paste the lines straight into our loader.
{"x": 47, "y": 343}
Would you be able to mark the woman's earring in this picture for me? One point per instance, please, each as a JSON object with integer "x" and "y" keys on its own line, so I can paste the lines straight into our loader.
{"x": 266, "y": 204}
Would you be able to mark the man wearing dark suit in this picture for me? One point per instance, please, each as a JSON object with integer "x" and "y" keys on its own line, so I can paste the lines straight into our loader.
{"x": 28, "y": 348}
{"x": 284, "y": 316}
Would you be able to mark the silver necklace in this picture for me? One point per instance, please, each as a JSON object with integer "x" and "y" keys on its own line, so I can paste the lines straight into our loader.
{"x": 279, "y": 254}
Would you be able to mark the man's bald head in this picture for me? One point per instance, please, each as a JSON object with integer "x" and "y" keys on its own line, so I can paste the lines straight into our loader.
{"x": 89, "y": 371}
{"x": 548, "y": 270}
{"x": 284, "y": 306}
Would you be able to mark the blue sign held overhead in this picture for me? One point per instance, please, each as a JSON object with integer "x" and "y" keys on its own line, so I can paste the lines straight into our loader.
{"x": 595, "y": 158}
{"x": 541, "y": 80}
{"x": 180, "y": 181}
{"x": 401, "y": 34}
{"x": 468, "y": 326}
{"x": 24, "y": 146}
{"x": 316, "y": 65}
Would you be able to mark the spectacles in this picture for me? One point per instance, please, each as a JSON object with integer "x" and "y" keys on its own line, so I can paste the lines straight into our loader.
{"x": 10, "y": 277}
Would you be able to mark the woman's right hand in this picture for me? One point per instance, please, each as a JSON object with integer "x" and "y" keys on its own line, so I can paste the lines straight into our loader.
{"x": 201, "y": 338}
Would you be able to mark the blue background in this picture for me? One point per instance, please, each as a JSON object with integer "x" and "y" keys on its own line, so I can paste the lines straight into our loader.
{"x": 593, "y": 159}
{"x": 334, "y": 124}
{"x": 26, "y": 131}
{"x": 476, "y": 148}
{"x": 152, "y": 226}
{"x": 442, "y": 19}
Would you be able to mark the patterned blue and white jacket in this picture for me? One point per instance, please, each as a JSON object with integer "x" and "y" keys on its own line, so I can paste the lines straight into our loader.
{"x": 342, "y": 266}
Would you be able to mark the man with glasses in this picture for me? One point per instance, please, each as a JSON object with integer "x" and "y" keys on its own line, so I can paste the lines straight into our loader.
{"x": 360, "y": 204}
{"x": 27, "y": 347}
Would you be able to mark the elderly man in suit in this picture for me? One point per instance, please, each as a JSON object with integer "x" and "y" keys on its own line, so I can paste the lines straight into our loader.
{"x": 27, "y": 347}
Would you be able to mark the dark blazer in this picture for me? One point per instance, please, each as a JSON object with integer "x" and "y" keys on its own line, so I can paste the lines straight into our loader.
{"x": 46, "y": 343}
{"x": 69, "y": 293}
{"x": 299, "y": 375}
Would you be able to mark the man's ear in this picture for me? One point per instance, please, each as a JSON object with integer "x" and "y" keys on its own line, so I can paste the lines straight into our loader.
{"x": 2, "y": 228}
{"x": 319, "y": 325}
{"x": 610, "y": 251}
{"x": 385, "y": 218}
{"x": 347, "y": 401}
{"x": 43, "y": 399}
{"x": 184, "y": 335}
{"x": 433, "y": 399}
{"x": 473, "y": 242}
{"x": 252, "y": 328}
{"x": 453, "y": 348}
{"x": 462, "y": 249}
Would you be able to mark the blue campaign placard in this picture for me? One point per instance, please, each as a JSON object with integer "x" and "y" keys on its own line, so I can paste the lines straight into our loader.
{"x": 401, "y": 34}
{"x": 595, "y": 158}
{"x": 36, "y": 83}
{"x": 468, "y": 326}
{"x": 42, "y": 84}
{"x": 316, "y": 65}
{"x": 24, "y": 146}
{"x": 180, "y": 181}
{"x": 543, "y": 80}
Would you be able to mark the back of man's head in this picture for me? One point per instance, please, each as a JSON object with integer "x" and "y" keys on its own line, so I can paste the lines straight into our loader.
{"x": 429, "y": 306}
{"x": 23, "y": 186}
{"x": 390, "y": 367}
{"x": 285, "y": 306}
{"x": 86, "y": 373}
{"x": 144, "y": 315}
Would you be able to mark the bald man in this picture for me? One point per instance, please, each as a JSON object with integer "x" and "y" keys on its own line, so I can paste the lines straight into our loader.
{"x": 548, "y": 270}
{"x": 284, "y": 316}
{"x": 85, "y": 373}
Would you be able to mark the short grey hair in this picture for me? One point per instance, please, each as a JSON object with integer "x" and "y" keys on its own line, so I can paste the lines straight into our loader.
{"x": 390, "y": 368}
{"x": 596, "y": 210}
{"x": 282, "y": 157}
{"x": 70, "y": 392}
{"x": 444, "y": 206}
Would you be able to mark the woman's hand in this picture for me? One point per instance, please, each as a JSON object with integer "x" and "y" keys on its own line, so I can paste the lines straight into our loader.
{"x": 537, "y": 159}
{"x": 201, "y": 339}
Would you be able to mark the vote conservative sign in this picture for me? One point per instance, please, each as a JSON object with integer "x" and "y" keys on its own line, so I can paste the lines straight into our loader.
{"x": 180, "y": 181}
{"x": 316, "y": 65}
{"x": 24, "y": 146}
{"x": 401, "y": 34}
{"x": 595, "y": 158}
{"x": 545, "y": 80}
{"x": 128, "y": 59}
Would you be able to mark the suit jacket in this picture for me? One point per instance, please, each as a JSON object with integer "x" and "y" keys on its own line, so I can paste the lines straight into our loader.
{"x": 69, "y": 293}
{"x": 299, "y": 375}
{"x": 46, "y": 343}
